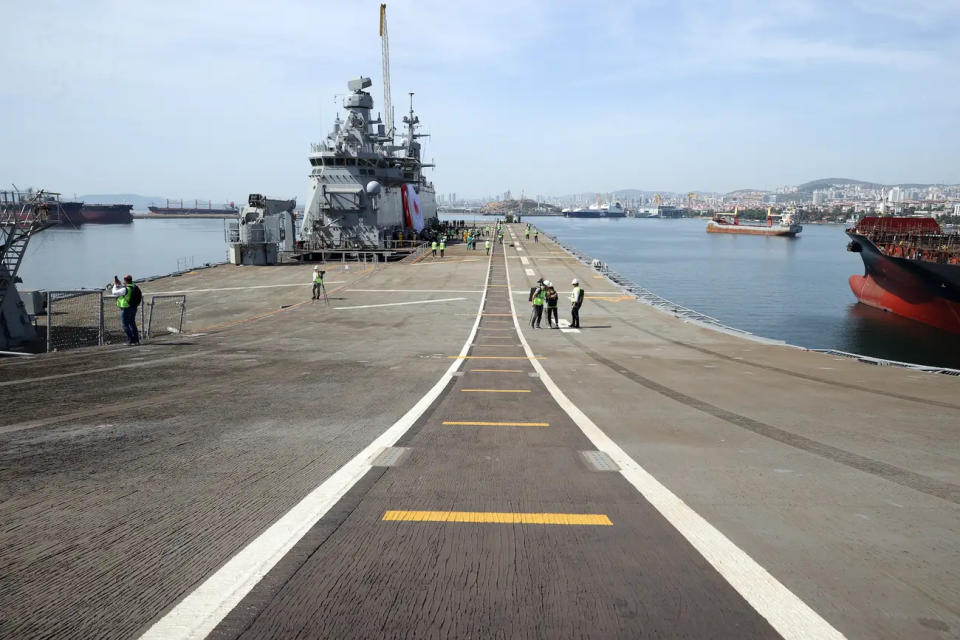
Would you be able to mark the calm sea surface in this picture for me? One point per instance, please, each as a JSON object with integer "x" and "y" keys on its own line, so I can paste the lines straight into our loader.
{"x": 789, "y": 289}
{"x": 89, "y": 257}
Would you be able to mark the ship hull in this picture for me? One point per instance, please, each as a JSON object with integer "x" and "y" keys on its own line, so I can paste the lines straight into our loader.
{"x": 922, "y": 291}
{"x": 751, "y": 231}
{"x": 106, "y": 213}
{"x": 593, "y": 214}
{"x": 193, "y": 211}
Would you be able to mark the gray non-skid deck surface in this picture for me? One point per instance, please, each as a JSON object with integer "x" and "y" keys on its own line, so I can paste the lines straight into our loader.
{"x": 357, "y": 576}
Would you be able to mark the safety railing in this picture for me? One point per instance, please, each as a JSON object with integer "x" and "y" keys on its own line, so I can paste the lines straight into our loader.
{"x": 166, "y": 314}
{"x": 883, "y": 362}
{"x": 420, "y": 251}
{"x": 73, "y": 319}
{"x": 83, "y": 318}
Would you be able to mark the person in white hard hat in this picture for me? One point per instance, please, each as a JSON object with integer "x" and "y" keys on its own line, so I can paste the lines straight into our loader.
{"x": 576, "y": 299}
{"x": 552, "y": 298}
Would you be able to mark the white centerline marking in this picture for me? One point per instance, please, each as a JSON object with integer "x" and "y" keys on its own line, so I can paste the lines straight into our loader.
{"x": 530, "y": 272}
{"x": 202, "y": 610}
{"x": 417, "y": 290}
{"x": 524, "y": 260}
{"x": 790, "y": 616}
{"x": 398, "y": 304}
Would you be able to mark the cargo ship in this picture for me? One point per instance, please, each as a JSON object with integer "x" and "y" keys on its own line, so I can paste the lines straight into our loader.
{"x": 911, "y": 268}
{"x": 105, "y": 213}
{"x": 776, "y": 224}
{"x": 58, "y": 211}
{"x": 199, "y": 208}
{"x": 598, "y": 210}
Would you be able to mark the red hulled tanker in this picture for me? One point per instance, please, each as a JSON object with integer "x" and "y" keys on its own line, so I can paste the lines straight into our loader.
{"x": 911, "y": 268}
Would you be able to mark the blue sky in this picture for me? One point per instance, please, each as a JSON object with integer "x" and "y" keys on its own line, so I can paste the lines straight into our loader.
{"x": 219, "y": 99}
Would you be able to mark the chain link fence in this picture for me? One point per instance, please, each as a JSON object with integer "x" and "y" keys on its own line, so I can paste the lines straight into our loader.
{"x": 74, "y": 319}
{"x": 84, "y": 318}
{"x": 166, "y": 315}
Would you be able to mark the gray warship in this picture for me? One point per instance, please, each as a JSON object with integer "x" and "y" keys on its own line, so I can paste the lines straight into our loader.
{"x": 366, "y": 191}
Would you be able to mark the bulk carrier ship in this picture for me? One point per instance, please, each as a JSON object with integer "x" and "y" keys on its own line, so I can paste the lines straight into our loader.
{"x": 775, "y": 225}
{"x": 199, "y": 208}
{"x": 911, "y": 268}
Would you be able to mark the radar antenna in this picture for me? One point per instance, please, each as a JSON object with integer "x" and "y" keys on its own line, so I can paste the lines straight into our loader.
{"x": 387, "y": 104}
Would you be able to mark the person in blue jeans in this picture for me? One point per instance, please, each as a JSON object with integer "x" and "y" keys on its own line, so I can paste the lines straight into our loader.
{"x": 128, "y": 299}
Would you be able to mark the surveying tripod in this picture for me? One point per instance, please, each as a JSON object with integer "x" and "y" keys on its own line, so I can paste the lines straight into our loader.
{"x": 323, "y": 289}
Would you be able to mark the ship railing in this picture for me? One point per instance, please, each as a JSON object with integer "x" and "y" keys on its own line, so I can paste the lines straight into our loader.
{"x": 418, "y": 252}
{"x": 883, "y": 362}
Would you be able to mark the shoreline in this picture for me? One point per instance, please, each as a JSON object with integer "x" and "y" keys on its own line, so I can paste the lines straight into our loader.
{"x": 693, "y": 316}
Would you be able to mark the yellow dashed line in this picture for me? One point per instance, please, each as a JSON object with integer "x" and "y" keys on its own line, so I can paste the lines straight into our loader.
{"x": 495, "y": 390}
{"x": 455, "y": 423}
{"x": 496, "y": 357}
{"x": 610, "y": 298}
{"x": 499, "y": 370}
{"x": 597, "y": 519}
{"x": 508, "y": 315}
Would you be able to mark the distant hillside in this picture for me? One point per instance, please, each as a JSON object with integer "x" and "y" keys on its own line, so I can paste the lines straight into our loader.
{"x": 826, "y": 183}
{"x": 743, "y": 191}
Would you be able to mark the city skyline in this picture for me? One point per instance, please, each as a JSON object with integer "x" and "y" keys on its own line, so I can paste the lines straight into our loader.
{"x": 211, "y": 101}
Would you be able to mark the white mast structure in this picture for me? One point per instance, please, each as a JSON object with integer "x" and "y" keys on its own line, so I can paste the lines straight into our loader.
{"x": 385, "y": 40}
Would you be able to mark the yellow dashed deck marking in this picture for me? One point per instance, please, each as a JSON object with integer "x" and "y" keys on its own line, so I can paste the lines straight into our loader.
{"x": 508, "y": 315}
{"x": 499, "y": 370}
{"x": 473, "y": 423}
{"x": 609, "y": 298}
{"x": 595, "y": 519}
{"x": 496, "y": 357}
{"x": 495, "y": 390}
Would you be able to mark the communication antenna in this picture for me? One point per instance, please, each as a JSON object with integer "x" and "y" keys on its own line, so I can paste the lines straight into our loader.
{"x": 387, "y": 103}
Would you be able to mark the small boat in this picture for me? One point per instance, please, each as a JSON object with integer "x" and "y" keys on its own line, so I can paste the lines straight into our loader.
{"x": 776, "y": 224}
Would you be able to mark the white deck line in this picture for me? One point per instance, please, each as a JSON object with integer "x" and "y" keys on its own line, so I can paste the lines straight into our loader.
{"x": 790, "y": 616}
{"x": 203, "y": 608}
{"x": 397, "y": 304}
{"x": 256, "y": 286}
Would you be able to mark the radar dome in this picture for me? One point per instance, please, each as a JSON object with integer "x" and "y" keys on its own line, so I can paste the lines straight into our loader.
{"x": 373, "y": 188}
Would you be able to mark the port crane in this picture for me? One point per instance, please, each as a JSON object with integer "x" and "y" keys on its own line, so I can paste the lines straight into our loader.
{"x": 22, "y": 215}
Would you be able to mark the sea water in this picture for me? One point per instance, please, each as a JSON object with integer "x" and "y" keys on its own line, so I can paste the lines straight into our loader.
{"x": 791, "y": 289}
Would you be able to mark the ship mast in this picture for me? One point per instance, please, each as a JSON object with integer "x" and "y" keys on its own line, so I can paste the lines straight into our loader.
{"x": 387, "y": 104}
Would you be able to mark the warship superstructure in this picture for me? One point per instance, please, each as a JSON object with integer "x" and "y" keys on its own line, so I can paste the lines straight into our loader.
{"x": 365, "y": 191}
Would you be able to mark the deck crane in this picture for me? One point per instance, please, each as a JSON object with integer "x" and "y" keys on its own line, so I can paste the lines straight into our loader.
{"x": 385, "y": 40}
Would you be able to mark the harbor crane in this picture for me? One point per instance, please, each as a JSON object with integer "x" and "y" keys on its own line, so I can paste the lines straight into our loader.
{"x": 22, "y": 215}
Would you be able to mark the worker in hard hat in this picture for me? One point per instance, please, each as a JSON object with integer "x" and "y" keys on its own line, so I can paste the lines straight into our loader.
{"x": 576, "y": 301}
